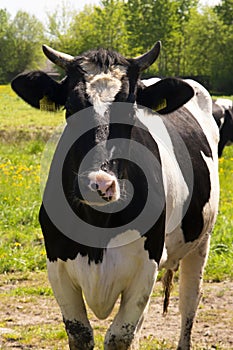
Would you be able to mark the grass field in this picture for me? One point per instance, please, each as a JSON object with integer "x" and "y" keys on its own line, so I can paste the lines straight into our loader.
{"x": 23, "y": 133}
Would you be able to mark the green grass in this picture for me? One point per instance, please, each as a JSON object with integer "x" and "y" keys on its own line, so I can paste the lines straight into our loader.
{"x": 219, "y": 266}
{"x": 16, "y": 114}
{"x": 21, "y": 241}
{"x": 23, "y": 132}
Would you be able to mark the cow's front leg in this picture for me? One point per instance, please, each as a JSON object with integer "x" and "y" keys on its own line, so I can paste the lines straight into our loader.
{"x": 70, "y": 300}
{"x": 191, "y": 271}
{"x": 123, "y": 334}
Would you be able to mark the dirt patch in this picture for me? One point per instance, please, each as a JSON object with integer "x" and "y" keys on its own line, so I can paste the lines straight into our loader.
{"x": 16, "y": 135}
{"x": 21, "y": 308}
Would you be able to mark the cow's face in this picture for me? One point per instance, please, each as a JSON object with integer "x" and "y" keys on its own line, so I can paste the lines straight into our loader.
{"x": 95, "y": 81}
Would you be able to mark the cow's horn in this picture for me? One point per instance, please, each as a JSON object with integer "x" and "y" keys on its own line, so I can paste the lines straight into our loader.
{"x": 59, "y": 58}
{"x": 146, "y": 60}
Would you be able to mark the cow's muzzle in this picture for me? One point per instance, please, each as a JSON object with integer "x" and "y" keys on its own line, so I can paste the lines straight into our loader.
{"x": 100, "y": 188}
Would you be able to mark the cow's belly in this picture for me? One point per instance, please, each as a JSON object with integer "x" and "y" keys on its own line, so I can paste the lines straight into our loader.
{"x": 102, "y": 283}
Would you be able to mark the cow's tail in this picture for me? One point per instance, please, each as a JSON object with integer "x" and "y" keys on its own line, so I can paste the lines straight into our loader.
{"x": 167, "y": 287}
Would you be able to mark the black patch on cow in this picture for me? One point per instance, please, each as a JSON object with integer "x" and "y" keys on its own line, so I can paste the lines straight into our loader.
{"x": 183, "y": 123}
{"x": 217, "y": 113}
{"x": 226, "y": 131}
{"x": 80, "y": 336}
{"x": 102, "y": 58}
{"x": 187, "y": 333}
{"x": 166, "y": 95}
{"x": 123, "y": 339}
{"x": 32, "y": 87}
{"x": 60, "y": 246}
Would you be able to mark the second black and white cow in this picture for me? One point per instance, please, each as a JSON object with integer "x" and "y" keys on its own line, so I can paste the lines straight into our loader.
{"x": 164, "y": 162}
{"x": 223, "y": 115}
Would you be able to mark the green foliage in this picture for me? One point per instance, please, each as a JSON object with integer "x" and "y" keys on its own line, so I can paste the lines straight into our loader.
{"x": 197, "y": 40}
{"x": 20, "y": 41}
{"x": 98, "y": 26}
{"x": 225, "y": 11}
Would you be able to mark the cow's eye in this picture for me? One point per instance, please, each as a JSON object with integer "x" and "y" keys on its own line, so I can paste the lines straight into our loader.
{"x": 104, "y": 166}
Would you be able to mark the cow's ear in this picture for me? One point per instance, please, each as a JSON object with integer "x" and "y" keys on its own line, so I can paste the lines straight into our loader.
{"x": 39, "y": 90}
{"x": 166, "y": 95}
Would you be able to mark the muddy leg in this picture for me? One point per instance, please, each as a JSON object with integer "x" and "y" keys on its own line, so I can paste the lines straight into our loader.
{"x": 70, "y": 300}
{"x": 191, "y": 271}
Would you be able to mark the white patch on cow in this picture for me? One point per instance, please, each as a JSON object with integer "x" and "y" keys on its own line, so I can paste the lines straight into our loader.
{"x": 163, "y": 257}
{"x": 200, "y": 106}
{"x": 151, "y": 81}
{"x": 102, "y": 87}
{"x": 98, "y": 281}
{"x": 124, "y": 238}
{"x": 102, "y": 91}
{"x": 224, "y": 102}
{"x": 175, "y": 244}
{"x": 176, "y": 189}
{"x": 221, "y": 123}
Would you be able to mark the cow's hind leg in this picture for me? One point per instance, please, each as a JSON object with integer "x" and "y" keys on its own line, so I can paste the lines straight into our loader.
{"x": 70, "y": 300}
{"x": 191, "y": 271}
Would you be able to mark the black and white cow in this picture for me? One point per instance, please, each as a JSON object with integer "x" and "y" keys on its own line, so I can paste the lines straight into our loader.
{"x": 177, "y": 147}
{"x": 223, "y": 115}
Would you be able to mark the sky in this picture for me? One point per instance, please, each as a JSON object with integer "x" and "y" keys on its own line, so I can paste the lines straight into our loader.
{"x": 41, "y": 7}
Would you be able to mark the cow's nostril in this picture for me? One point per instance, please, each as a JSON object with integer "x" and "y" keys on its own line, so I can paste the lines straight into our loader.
{"x": 94, "y": 186}
{"x": 111, "y": 187}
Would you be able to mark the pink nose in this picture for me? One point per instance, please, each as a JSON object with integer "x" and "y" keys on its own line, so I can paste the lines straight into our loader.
{"x": 105, "y": 184}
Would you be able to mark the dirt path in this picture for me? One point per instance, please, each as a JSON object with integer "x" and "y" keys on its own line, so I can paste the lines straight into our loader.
{"x": 25, "y": 308}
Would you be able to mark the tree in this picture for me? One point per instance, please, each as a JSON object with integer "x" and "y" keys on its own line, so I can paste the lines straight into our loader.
{"x": 4, "y": 24}
{"x": 20, "y": 44}
{"x": 209, "y": 50}
{"x": 223, "y": 72}
{"x": 59, "y": 24}
{"x": 98, "y": 26}
{"x": 225, "y": 11}
{"x": 149, "y": 21}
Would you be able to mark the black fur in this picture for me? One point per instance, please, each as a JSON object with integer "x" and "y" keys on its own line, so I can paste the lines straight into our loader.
{"x": 226, "y": 127}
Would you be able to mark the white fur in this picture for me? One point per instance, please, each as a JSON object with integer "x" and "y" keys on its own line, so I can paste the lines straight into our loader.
{"x": 224, "y": 102}
{"x": 130, "y": 264}
{"x": 176, "y": 192}
{"x": 102, "y": 87}
{"x": 150, "y": 81}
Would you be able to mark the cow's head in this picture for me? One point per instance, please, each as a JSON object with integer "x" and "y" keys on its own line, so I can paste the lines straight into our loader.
{"x": 97, "y": 79}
